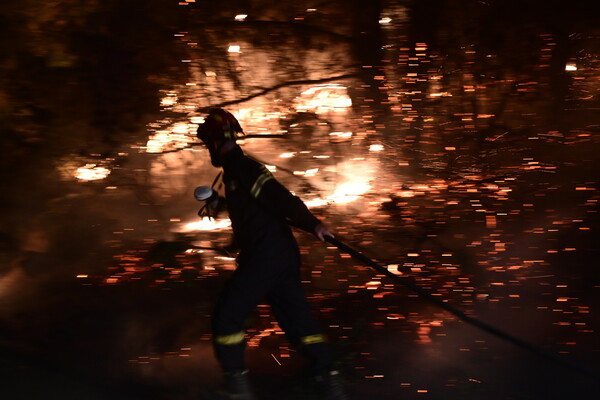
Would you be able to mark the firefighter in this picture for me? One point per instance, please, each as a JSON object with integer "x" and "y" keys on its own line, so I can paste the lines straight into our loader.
{"x": 260, "y": 209}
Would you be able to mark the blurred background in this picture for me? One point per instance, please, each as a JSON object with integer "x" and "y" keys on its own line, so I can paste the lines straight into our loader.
{"x": 455, "y": 142}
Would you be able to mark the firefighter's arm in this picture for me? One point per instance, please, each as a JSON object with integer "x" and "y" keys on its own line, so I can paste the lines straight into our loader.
{"x": 274, "y": 196}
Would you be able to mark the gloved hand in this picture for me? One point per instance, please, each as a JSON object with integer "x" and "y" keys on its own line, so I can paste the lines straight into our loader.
{"x": 321, "y": 231}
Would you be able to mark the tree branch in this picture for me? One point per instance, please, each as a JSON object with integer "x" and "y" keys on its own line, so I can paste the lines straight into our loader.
{"x": 276, "y": 87}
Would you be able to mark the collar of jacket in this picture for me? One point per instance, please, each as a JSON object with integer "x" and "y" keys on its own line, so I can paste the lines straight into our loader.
{"x": 231, "y": 156}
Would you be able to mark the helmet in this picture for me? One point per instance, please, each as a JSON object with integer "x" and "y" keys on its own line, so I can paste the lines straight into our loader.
{"x": 219, "y": 124}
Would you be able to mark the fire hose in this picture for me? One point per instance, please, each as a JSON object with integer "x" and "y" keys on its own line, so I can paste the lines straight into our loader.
{"x": 427, "y": 295}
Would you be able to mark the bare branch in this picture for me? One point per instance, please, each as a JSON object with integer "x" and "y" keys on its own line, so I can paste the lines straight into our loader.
{"x": 276, "y": 87}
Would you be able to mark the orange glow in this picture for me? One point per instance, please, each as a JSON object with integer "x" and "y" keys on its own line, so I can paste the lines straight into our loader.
{"x": 91, "y": 172}
{"x": 205, "y": 224}
{"x": 571, "y": 67}
{"x": 324, "y": 98}
{"x": 178, "y": 136}
{"x": 393, "y": 268}
{"x": 343, "y": 135}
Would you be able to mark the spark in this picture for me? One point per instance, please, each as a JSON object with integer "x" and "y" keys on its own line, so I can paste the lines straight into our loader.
{"x": 275, "y": 358}
{"x": 233, "y": 48}
{"x": 241, "y": 17}
{"x": 441, "y": 94}
{"x": 393, "y": 268}
{"x": 372, "y": 285}
{"x": 169, "y": 100}
{"x": 344, "y": 135}
{"x": 385, "y": 20}
{"x": 256, "y": 339}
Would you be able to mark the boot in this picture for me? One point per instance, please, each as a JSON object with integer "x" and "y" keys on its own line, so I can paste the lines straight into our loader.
{"x": 329, "y": 386}
{"x": 237, "y": 387}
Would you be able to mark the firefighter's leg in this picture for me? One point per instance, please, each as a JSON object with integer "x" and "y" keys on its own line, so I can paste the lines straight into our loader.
{"x": 241, "y": 295}
{"x": 291, "y": 309}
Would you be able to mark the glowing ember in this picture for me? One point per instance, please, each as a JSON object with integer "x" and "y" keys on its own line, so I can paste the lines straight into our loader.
{"x": 344, "y": 135}
{"x": 169, "y": 100}
{"x": 256, "y": 339}
{"x": 241, "y": 17}
{"x": 571, "y": 67}
{"x": 393, "y": 268}
{"x": 233, "y": 48}
{"x": 376, "y": 147}
{"x": 385, "y": 20}
{"x": 441, "y": 94}
{"x": 91, "y": 172}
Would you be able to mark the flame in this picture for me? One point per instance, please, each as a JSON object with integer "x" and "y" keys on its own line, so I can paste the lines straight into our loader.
{"x": 91, "y": 172}
{"x": 343, "y": 194}
{"x": 177, "y": 136}
{"x": 205, "y": 224}
{"x": 324, "y": 98}
{"x": 316, "y": 203}
{"x": 350, "y": 191}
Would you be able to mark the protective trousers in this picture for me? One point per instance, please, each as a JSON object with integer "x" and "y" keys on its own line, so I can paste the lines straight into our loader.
{"x": 280, "y": 285}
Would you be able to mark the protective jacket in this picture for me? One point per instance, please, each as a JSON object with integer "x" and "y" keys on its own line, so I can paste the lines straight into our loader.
{"x": 260, "y": 209}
